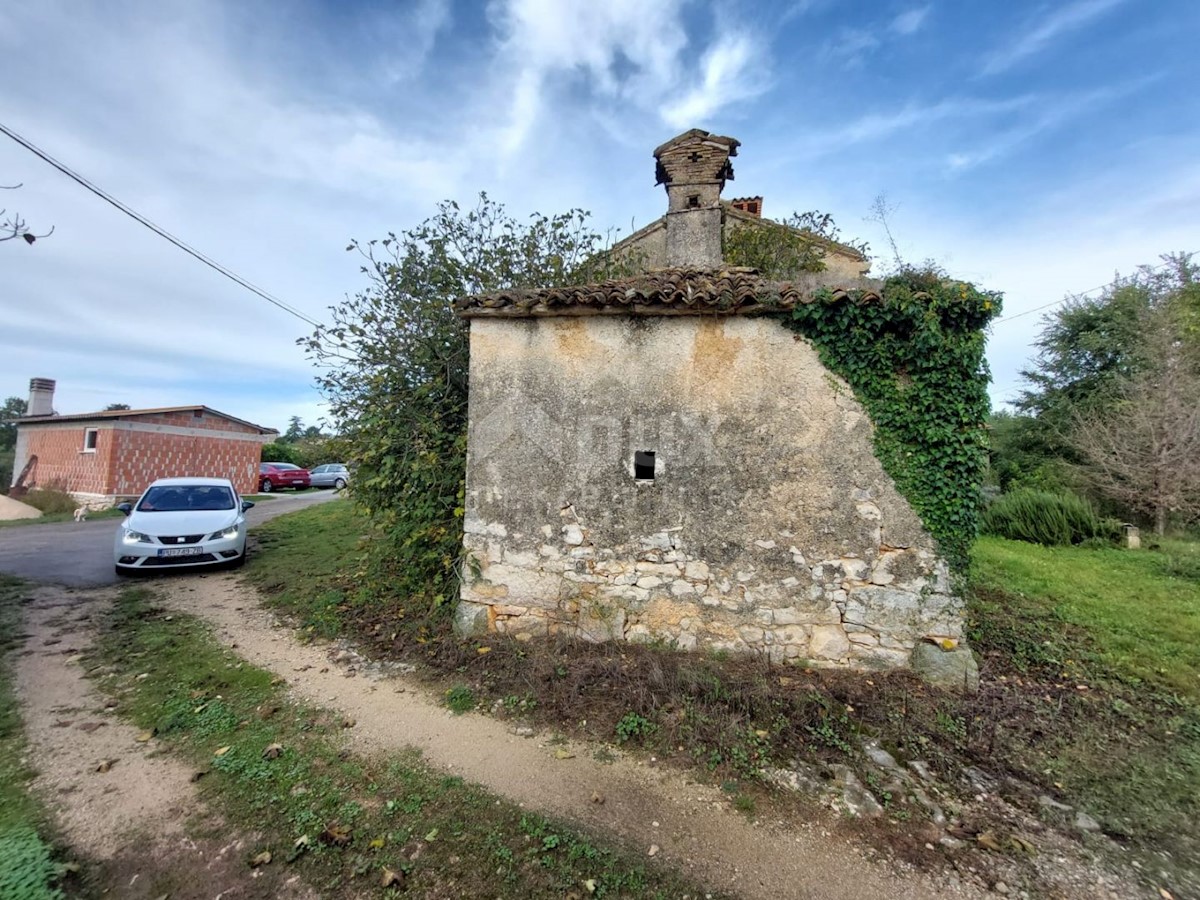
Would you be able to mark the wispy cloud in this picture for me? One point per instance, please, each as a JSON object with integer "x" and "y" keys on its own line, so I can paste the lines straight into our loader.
{"x": 726, "y": 76}
{"x": 1048, "y": 114}
{"x": 623, "y": 51}
{"x": 1044, "y": 32}
{"x": 911, "y": 20}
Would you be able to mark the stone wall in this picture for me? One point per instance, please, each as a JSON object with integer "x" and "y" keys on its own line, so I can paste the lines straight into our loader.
{"x": 768, "y": 525}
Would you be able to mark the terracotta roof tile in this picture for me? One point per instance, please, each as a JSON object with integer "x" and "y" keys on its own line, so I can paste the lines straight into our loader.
{"x": 664, "y": 292}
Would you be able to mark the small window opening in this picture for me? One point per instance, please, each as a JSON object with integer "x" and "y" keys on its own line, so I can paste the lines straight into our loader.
{"x": 89, "y": 439}
{"x": 694, "y": 201}
{"x": 197, "y": 414}
{"x": 643, "y": 465}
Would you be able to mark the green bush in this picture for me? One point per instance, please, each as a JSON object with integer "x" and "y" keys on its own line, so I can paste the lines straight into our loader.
{"x": 1041, "y": 517}
{"x": 51, "y": 499}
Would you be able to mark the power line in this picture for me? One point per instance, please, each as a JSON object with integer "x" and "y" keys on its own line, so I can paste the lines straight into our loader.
{"x": 161, "y": 232}
{"x": 1101, "y": 287}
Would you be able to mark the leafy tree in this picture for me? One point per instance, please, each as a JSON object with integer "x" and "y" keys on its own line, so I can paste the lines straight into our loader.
{"x": 1019, "y": 455}
{"x": 13, "y": 408}
{"x": 1090, "y": 347}
{"x": 394, "y": 367}
{"x": 295, "y": 430}
{"x": 1108, "y": 383}
{"x": 1143, "y": 449}
{"x": 112, "y": 407}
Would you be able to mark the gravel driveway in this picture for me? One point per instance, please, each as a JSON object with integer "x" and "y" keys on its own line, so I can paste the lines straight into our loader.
{"x": 79, "y": 554}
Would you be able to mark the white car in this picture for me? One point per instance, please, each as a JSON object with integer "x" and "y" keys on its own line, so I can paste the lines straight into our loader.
{"x": 182, "y": 522}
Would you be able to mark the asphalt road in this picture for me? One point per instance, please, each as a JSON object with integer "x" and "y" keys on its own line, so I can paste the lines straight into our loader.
{"x": 80, "y": 554}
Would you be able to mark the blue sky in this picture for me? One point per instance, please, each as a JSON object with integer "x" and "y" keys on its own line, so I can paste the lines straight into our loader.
{"x": 1034, "y": 147}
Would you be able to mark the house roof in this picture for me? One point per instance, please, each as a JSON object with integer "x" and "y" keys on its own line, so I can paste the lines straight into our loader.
{"x": 732, "y": 212}
{"x": 110, "y": 414}
{"x": 729, "y": 290}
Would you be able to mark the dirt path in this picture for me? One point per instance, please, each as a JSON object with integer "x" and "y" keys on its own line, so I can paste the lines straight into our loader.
{"x": 691, "y": 825}
{"x": 132, "y": 812}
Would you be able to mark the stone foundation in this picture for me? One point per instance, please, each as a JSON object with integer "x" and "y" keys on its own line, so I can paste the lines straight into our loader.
{"x": 856, "y": 611}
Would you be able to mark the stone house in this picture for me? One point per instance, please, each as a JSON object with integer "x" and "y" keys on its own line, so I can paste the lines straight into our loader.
{"x": 688, "y": 159}
{"x": 659, "y": 457}
{"x": 103, "y": 457}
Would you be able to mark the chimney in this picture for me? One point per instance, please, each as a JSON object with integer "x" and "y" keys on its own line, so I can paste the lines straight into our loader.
{"x": 41, "y": 397}
{"x": 694, "y": 167}
{"x": 751, "y": 205}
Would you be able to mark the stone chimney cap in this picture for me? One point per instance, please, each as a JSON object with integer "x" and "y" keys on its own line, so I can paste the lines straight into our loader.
{"x": 696, "y": 157}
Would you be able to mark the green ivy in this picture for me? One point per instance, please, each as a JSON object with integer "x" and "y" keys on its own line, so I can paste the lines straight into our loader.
{"x": 915, "y": 360}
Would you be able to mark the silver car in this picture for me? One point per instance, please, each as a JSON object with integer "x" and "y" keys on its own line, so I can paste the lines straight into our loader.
{"x": 334, "y": 475}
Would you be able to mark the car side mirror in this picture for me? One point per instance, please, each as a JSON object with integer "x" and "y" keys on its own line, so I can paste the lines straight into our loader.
{"x": 246, "y": 504}
{"x": 125, "y": 508}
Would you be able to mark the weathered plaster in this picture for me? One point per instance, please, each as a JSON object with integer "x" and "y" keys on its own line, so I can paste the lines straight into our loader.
{"x": 769, "y": 526}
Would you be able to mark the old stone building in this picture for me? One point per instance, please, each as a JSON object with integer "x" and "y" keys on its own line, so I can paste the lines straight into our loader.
{"x": 659, "y": 457}
{"x": 688, "y": 160}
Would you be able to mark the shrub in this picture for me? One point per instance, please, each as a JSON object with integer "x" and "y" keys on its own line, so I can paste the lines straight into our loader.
{"x": 1041, "y": 517}
{"x": 51, "y": 499}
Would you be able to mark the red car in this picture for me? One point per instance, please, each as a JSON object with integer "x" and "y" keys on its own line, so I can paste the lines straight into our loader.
{"x": 275, "y": 476}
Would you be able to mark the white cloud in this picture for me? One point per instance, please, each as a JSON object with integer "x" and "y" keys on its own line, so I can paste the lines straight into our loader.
{"x": 911, "y": 20}
{"x": 625, "y": 55}
{"x": 727, "y": 74}
{"x": 1041, "y": 34}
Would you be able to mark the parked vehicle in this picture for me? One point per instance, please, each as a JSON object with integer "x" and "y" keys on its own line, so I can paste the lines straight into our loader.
{"x": 334, "y": 475}
{"x": 182, "y": 522}
{"x": 277, "y": 475}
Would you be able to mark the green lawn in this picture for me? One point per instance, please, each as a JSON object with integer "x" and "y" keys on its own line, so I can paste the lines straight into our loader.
{"x": 1141, "y": 608}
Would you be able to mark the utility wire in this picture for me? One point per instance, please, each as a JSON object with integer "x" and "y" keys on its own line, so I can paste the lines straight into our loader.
{"x": 161, "y": 232}
{"x": 1081, "y": 294}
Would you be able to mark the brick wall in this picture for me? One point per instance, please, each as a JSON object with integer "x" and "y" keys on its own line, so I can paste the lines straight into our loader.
{"x": 130, "y": 453}
{"x": 63, "y": 461}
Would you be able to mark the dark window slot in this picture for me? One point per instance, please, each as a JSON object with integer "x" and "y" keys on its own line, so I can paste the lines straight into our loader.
{"x": 643, "y": 465}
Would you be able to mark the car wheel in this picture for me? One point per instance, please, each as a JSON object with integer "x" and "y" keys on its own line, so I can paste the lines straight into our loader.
{"x": 339, "y": 484}
{"x": 265, "y": 487}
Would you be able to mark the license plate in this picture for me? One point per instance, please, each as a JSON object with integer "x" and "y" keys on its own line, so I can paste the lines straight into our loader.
{"x": 181, "y": 551}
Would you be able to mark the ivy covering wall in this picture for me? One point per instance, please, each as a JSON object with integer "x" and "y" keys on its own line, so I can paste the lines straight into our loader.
{"x": 916, "y": 363}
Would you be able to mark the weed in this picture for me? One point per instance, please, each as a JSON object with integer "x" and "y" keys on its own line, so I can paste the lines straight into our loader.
{"x": 744, "y": 803}
{"x": 633, "y": 726}
{"x": 460, "y": 699}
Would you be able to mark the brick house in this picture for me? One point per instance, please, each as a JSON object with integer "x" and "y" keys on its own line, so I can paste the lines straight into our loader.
{"x": 102, "y": 457}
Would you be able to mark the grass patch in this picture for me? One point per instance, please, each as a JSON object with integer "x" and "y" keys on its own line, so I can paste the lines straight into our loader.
{"x": 341, "y": 821}
{"x": 1095, "y": 654}
{"x": 305, "y": 563}
{"x": 28, "y": 868}
{"x": 1142, "y": 619}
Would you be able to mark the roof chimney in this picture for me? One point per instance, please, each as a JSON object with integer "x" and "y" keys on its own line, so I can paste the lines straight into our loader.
{"x": 694, "y": 167}
{"x": 41, "y": 397}
{"x": 750, "y": 205}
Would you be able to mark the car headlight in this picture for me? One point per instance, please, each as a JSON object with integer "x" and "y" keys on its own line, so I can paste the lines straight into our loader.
{"x": 135, "y": 537}
{"x": 230, "y": 531}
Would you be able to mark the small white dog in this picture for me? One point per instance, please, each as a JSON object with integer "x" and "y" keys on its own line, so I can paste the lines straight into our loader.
{"x": 81, "y": 514}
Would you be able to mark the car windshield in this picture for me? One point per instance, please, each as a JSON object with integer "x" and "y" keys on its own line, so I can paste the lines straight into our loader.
{"x": 180, "y": 497}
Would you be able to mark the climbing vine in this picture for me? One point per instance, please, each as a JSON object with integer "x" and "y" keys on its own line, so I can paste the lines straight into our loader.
{"x": 915, "y": 360}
